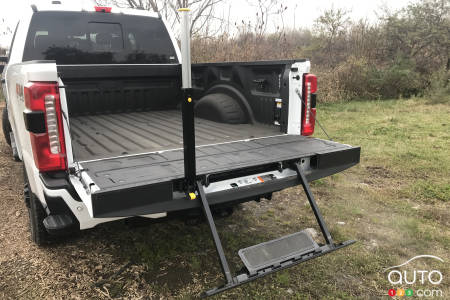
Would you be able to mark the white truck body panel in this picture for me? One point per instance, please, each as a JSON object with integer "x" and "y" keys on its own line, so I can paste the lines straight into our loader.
{"x": 295, "y": 103}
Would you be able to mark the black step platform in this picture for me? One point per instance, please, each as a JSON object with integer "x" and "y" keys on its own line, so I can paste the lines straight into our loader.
{"x": 275, "y": 252}
{"x": 58, "y": 224}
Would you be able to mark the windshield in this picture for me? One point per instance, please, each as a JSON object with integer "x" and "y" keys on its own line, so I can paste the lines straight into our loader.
{"x": 98, "y": 38}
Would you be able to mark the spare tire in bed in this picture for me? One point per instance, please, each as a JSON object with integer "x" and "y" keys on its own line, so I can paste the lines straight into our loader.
{"x": 220, "y": 108}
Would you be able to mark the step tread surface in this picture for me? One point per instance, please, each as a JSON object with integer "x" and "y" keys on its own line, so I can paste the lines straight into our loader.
{"x": 273, "y": 252}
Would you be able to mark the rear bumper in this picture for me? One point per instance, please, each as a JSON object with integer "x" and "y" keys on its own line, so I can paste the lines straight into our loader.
{"x": 154, "y": 199}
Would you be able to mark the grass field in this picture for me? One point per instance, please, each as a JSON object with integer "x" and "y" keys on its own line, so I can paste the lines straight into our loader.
{"x": 395, "y": 203}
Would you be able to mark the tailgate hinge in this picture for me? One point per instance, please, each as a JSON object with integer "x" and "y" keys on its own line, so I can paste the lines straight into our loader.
{"x": 87, "y": 182}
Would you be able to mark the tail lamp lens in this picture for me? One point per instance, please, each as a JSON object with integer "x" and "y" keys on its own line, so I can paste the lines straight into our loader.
{"x": 49, "y": 150}
{"x": 308, "y": 111}
{"x": 103, "y": 9}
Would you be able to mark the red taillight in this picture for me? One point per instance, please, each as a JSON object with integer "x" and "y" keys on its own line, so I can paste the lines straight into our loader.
{"x": 308, "y": 109}
{"x": 103, "y": 9}
{"x": 49, "y": 150}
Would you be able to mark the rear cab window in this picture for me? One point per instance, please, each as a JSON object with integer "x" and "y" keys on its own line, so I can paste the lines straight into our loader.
{"x": 98, "y": 38}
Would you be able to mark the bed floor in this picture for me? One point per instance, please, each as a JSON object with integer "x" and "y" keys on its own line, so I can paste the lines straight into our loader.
{"x": 102, "y": 136}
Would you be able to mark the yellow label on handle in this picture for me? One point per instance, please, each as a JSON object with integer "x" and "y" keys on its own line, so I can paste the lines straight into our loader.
{"x": 192, "y": 196}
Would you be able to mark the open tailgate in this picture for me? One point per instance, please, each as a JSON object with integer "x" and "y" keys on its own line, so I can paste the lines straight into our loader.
{"x": 151, "y": 183}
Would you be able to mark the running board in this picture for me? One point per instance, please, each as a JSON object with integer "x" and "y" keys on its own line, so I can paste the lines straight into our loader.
{"x": 272, "y": 256}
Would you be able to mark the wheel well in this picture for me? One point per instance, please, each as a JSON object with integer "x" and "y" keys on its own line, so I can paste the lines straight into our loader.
{"x": 220, "y": 107}
{"x": 237, "y": 96}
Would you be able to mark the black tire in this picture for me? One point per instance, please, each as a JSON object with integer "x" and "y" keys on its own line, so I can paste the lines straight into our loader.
{"x": 6, "y": 126}
{"x": 220, "y": 108}
{"x": 36, "y": 214}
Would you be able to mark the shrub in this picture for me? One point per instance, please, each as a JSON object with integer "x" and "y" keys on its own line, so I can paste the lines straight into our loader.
{"x": 397, "y": 57}
{"x": 439, "y": 90}
{"x": 399, "y": 80}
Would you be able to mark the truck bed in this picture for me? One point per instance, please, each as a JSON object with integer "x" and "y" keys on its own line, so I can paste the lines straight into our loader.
{"x": 112, "y": 135}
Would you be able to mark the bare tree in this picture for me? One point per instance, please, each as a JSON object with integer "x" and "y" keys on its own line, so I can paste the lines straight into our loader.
{"x": 333, "y": 22}
{"x": 264, "y": 10}
{"x": 5, "y": 32}
{"x": 202, "y": 11}
{"x": 330, "y": 25}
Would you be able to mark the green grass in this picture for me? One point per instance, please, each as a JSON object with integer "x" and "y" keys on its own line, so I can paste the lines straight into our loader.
{"x": 395, "y": 203}
{"x": 404, "y": 138}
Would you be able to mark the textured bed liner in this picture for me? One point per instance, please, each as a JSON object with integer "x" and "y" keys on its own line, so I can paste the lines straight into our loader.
{"x": 117, "y": 174}
{"x": 111, "y": 135}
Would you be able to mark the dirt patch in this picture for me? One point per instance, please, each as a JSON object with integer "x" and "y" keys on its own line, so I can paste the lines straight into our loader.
{"x": 379, "y": 172}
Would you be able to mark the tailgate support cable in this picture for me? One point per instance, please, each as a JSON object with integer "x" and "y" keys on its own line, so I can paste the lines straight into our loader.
{"x": 277, "y": 264}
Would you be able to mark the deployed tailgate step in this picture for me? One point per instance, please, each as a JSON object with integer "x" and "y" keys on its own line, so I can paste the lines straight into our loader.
{"x": 272, "y": 256}
{"x": 275, "y": 252}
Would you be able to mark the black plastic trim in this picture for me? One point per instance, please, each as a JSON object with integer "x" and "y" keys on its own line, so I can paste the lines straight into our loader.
{"x": 34, "y": 121}
{"x": 58, "y": 181}
{"x": 313, "y": 100}
{"x": 137, "y": 199}
{"x": 336, "y": 158}
{"x": 57, "y": 206}
{"x": 59, "y": 224}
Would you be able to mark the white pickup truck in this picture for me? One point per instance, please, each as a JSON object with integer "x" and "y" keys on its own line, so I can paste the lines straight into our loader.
{"x": 94, "y": 113}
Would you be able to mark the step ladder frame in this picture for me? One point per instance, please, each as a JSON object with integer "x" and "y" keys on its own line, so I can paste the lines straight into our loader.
{"x": 245, "y": 277}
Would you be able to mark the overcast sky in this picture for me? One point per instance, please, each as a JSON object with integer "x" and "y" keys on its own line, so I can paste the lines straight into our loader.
{"x": 305, "y": 12}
